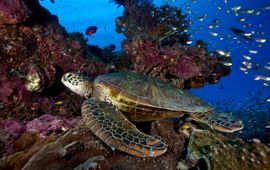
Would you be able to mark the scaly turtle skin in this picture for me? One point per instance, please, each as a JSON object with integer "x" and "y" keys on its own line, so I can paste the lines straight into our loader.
{"x": 112, "y": 98}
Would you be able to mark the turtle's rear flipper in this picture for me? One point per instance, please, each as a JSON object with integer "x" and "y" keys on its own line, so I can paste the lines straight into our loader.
{"x": 116, "y": 131}
{"x": 223, "y": 122}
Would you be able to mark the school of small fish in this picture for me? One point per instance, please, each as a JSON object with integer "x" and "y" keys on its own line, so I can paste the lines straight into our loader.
{"x": 252, "y": 36}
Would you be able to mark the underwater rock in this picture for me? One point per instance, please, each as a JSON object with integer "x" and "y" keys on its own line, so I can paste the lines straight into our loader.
{"x": 74, "y": 148}
{"x": 167, "y": 131}
{"x": 218, "y": 151}
{"x": 80, "y": 148}
{"x": 13, "y": 12}
{"x": 26, "y": 140}
{"x": 6, "y": 142}
{"x": 16, "y": 135}
{"x": 28, "y": 144}
{"x": 182, "y": 166}
{"x": 91, "y": 163}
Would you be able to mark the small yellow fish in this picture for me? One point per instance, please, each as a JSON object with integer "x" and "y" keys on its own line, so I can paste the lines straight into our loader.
{"x": 59, "y": 102}
{"x": 186, "y": 126}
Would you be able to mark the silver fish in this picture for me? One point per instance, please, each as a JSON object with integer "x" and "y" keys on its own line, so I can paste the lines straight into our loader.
{"x": 260, "y": 40}
{"x": 214, "y": 33}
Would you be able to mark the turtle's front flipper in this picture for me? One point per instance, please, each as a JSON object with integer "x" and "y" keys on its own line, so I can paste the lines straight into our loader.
{"x": 116, "y": 131}
{"x": 223, "y": 122}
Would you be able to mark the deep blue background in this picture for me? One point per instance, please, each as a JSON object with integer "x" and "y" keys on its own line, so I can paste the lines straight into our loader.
{"x": 76, "y": 17}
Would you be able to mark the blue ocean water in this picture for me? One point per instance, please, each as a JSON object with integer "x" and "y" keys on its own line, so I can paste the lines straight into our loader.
{"x": 238, "y": 92}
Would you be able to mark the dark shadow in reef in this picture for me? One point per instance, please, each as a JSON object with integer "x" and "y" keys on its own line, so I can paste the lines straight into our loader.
{"x": 57, "y": 86}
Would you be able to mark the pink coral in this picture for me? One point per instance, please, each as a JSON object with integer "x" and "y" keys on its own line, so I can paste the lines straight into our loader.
{"x": 185, "y": 66}
{"x": 5, "y": 90}
{"x": 8, "y": 87}
{"x": 47, "y": 124}
{"x": 13, "y": 127}
{"x": 13, "y": 11}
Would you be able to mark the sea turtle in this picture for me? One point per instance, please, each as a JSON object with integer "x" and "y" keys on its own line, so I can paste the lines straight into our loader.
{"x": 114, "y": 98}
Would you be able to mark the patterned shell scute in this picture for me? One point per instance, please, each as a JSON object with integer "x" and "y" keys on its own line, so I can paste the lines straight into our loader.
{"x": 142, "y": 90}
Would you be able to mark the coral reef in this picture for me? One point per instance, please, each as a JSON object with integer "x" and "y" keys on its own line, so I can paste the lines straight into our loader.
{"x": 79, "y": 148}
{"x": 15, "y": 133}
{"x": 185, "y": 66}
{"x": 143, "y": 20}
{"x": 13, "y": 12}
{"x": 47, "y": 124}
{"x": 226, "y": 152}
{"x": 40, "y": 126}
{"x": 9, "y": 87}
{"x": 34, "y": 53}
{"x": 13, "y": 127}
{"x": 156, "y": 44}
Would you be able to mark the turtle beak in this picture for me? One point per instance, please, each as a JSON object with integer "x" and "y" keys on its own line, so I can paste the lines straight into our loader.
{"x": 65, "y": 77}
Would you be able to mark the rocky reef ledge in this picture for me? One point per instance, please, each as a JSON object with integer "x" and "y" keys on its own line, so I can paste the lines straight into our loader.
{"x": 78, "y": 148}
{"x": 40, "y": 121}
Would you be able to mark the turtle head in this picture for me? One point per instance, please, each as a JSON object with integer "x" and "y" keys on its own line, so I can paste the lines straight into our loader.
{"x": 78, "y": 83}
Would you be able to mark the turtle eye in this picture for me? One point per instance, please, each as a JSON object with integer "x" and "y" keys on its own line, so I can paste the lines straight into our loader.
{"x": 68, "y": 75}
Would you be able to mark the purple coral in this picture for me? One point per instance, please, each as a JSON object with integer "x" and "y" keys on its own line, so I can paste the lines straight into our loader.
{"x": 47, "y": 124}
{"x": 12, "y": 126}
{"x": 13, "y": 11}
{"x": 5, "y": 90}
{"x": 185, "y": 66}
{"x": 8, "y": 87}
